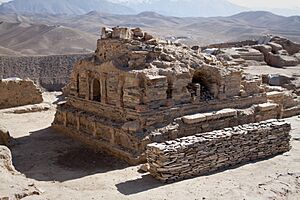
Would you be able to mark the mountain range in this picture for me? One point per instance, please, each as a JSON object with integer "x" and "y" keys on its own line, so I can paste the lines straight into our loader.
{"x": 69, "y": 7}
{"x": 43, "y": 27}
{"x": 180, "y": 8}
{"x": 36, "y": 34}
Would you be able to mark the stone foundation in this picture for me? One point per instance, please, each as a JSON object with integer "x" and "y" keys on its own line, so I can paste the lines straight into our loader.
{"x": 207, "y": 152}
{"x": 119, "y": 137}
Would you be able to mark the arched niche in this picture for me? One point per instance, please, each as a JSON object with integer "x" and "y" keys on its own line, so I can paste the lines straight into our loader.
{"x": 96, "y": 90}
{"x": 209, "y": 81}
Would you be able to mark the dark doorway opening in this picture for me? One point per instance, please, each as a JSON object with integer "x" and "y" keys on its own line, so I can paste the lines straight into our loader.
{"x": 77, "y": 86}
{"x": 96, "y": 90}
{"x": 203, "y": 86}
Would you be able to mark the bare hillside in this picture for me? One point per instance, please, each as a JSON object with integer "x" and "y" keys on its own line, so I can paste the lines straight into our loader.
{"x": 64, "y": 34}
{"x": 63, "y": 6}
{"x": 32, "y": 39}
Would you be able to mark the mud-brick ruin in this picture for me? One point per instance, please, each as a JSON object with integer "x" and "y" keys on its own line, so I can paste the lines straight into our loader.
{"x": 137, "y": 90}
{"x": 18, "y": 92}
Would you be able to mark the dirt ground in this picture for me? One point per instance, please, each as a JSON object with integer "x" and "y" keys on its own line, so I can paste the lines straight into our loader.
{"x": 64, "y": 169}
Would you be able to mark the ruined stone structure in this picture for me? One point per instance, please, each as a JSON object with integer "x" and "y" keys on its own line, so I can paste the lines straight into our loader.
{"x": 207, "y": 152}
{"x": 272, "y": 50}
{"x": 6, "y": 161}
{"x": 137, "y": 90}
{"x": 17, "y": 92}
{"x": 4, "y": 136}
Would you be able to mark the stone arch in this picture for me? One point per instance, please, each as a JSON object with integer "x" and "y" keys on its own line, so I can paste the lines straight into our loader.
{"x": 96, "y": 90}
{"x": 208, "y": 81}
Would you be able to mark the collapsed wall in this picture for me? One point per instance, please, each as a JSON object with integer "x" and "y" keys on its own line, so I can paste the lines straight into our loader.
{"x": 207, "y": 152}
{"x": 50, "y": 72}
{"x": 4, "y": 136}
{"x": 18, "y": 92}
{"x": 6, "y": 161}
{"x": 14, "y": 185}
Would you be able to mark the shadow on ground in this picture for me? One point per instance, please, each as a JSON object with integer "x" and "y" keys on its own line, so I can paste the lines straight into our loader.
{"x": 147, "y": 182}
{"x": 59, "y": 99}
{"x": 46, "y": 155}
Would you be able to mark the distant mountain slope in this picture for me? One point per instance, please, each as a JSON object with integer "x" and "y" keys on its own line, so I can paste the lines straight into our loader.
{"x": 71, "y": 7}
{"x": 8, "y": 52}
{"x": 246, "y": 25}
{"x": 34, "y": 34}
{"x": 268, "y": 19}
{"x": 33, "y": 39}
{"x": 187, "y": 8}
{"x": 180, "y": 8}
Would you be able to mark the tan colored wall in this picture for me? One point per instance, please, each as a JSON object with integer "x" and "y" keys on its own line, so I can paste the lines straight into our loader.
{"x": 207, "y": 152}
{"x": 18, "y": 93}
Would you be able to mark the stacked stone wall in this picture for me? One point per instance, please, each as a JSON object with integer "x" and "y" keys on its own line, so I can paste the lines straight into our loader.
{"x": 207, "y": 152}
{"x": 50, "y": 72}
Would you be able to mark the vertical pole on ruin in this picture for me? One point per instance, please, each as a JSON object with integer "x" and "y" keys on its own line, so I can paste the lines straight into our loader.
{"x": 198, "y": 90}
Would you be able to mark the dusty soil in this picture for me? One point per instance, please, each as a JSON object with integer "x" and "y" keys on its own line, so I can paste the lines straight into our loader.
{"x": 61, "y": 168}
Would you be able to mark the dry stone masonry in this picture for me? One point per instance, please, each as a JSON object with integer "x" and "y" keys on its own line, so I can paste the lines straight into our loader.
{"x": 207, "y": 152}
{"x": 50, "y": 72}
{"x": 136, "y": 90}
{"x": 17, "y": 92}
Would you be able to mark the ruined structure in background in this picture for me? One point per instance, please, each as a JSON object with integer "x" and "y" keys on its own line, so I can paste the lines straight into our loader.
{"x": 271, "y": 50}
{"x": 137, "y": 90}
{"x": 17, "y": 92}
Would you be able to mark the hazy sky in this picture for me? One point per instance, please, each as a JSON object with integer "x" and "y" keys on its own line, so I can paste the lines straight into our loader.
{"x": 268, "y": 3}
{"x": 254, "y": 3}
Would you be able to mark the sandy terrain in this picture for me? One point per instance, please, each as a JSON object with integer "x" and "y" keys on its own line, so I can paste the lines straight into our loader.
{"x": 63, "y": 169}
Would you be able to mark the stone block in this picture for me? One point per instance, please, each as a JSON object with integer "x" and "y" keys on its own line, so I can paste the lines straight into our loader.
{"x": 194, "y": 119}
{"x": 275, "y": 47}
{"x": 266, "y": 106}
